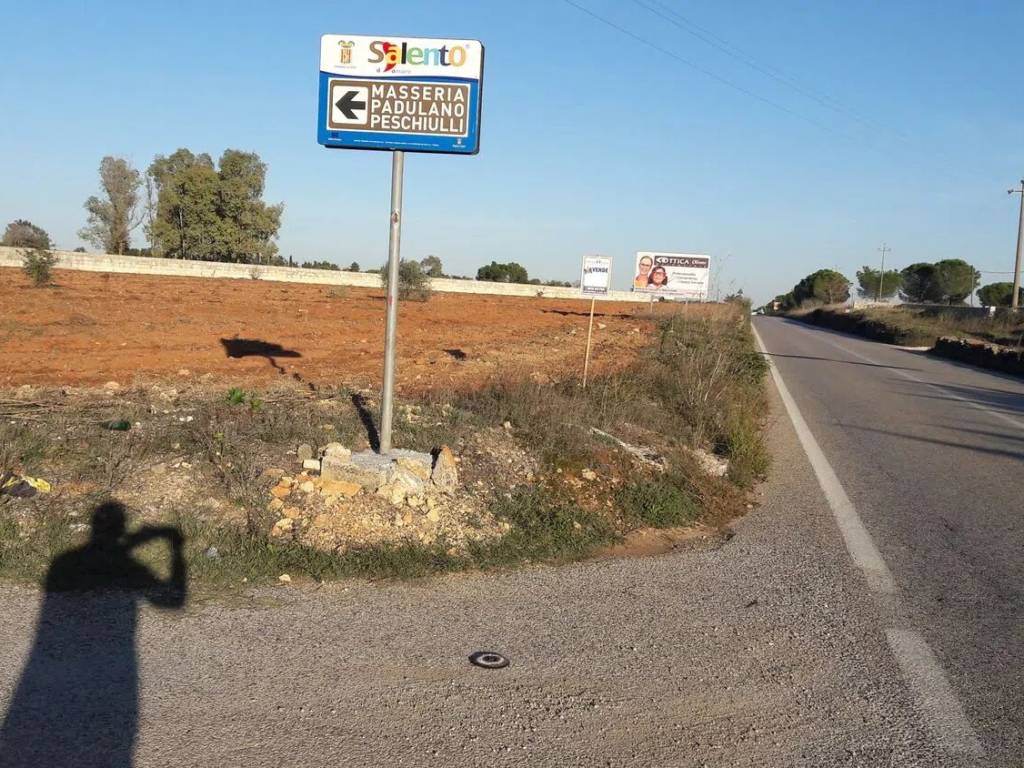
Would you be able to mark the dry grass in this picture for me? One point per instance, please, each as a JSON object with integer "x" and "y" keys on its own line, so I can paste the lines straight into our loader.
{"x": 697, "y": 384}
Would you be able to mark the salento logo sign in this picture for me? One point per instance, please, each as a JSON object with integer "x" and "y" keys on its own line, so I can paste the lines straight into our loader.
{"x": 392, "y": 54}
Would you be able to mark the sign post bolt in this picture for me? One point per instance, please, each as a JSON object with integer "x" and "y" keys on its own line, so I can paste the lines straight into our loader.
{"x": 391, "y": 331}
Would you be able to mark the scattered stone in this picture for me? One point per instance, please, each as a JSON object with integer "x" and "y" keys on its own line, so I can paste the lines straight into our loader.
{"x": 282, "y": 526}
{"x": 414, "y": 501}
{"x": 507, "y": 425}
{"x": 272, "y": 473}
{"x": 445, "y": 475}
{"x": 398, "y": 521}
{"x": 280, "y": 491}
{"x": 184, "y": 372}
{"x": 284, "y": 578}
{"x": 306, "y": 487}
{"x": 311, "y": 464}
{"x": 111, "y": 386}
{"x": 589, "y": 474}
{"x": 339, "y": 488}
{"x": 711, "y": 464}
{"x": 434, "y": 516}
{"x": 304, "y": 452}
{"x": 212, "y": 553}
{"x": 275, "y": 505}
{"x": 336, "y": 451}
{"x": 287, "y": 481}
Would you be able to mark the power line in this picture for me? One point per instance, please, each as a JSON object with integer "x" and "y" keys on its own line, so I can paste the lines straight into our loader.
{"x": 699, "y": 68}
{"x": 701, "y": 33}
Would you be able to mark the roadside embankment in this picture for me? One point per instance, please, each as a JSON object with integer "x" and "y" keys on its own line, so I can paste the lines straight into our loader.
{"x": 981, "y": 354}
{"x": 987, "y": 341}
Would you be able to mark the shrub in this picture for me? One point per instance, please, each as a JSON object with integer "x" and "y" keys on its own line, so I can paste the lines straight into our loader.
{"x": 38, "y": 264}
{"x": 413, "y": 282}
{"x": 661, "y": 502}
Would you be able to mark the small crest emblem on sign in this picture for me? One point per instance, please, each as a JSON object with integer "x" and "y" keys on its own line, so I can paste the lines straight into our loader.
{"x": 345, "y": 54}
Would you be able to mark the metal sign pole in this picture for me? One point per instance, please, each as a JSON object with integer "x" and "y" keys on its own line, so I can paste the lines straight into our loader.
{"x": 590, "y": 333}
{"x": 394, "y": 255}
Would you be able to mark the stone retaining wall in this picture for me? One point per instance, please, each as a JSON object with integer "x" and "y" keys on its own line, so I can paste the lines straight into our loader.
{"x": 140, "y": 265}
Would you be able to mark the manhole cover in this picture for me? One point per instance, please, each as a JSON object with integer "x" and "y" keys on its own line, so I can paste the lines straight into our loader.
{"x": 488, "y": 660}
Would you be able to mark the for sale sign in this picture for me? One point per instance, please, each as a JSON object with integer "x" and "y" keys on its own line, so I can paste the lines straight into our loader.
{"x": 597, "y": 275}
{"x": 676, "y": 275}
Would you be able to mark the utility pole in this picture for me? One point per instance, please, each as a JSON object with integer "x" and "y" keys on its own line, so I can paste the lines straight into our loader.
{"x": 881, "y": 275}
{"x": 1015, "y": 299}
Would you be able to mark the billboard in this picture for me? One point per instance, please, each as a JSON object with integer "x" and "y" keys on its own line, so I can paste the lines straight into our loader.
{"x": 597, "y": 275}
{"x": 673, "y": 275}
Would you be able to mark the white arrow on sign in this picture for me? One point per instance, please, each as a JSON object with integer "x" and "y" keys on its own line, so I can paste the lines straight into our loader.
{"x": 349, "y": 104}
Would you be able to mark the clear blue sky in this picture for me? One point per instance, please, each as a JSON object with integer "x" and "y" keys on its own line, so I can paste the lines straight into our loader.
{"x": 592, "y": 141}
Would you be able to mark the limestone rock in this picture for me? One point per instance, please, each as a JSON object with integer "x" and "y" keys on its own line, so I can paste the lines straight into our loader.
{"x": 339, "y": 488}
{"x": 419, "y": 467}
{"x": 306, "y": 487}
{"x": 305, "y": 452}
{"x": 280, "y": 491}
{"x": 337, "y": 451}
{"x": 311, "y": 464}
{"x": 445, "y": 475}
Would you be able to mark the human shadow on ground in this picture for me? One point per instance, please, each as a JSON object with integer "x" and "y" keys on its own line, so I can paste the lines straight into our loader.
{"x": 258, "y": 348}
{"x": 77, "y": 702}
{"x": 365, "y": 416}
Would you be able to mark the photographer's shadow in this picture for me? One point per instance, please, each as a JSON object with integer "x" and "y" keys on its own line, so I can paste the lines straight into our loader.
{"x": 77, "y": 702}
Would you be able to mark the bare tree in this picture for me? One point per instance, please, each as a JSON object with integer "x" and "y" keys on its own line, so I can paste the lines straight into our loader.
{"x": 112, "y": 219}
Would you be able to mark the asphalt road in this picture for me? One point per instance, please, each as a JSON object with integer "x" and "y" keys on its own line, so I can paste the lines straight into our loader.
{"x": 803, "y": 640}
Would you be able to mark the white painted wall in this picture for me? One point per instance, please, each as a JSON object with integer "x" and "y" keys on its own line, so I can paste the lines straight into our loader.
{"x": 140, "y": 265}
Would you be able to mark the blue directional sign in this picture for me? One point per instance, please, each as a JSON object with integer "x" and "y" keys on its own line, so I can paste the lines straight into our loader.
{"x": 394, "y": 93}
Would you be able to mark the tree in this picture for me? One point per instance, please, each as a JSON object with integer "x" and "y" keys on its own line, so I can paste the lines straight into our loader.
{"x": 328, "y": 265}
{"x": 825, "y": 286}
{"x": 413, "y": 282}
{"x": 212, "y": 214}
{"x": 353, "y": 267}
{"x": 869, "y": 280}
{"x": 112, "y": 218}
{"x": 957, "y": 280}
{"x": 921, "y": 284}
{"x": 998, "y": 295}
{"x": 432, "y": 266}
{"x": 24, "y": 234}
{"x": 503, "y": 273}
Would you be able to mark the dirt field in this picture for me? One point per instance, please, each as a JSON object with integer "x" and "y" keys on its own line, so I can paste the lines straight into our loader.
{"x": 93, "y": 328}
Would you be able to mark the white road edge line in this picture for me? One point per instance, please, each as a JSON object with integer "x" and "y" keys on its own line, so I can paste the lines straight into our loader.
{"x": 858, "y": 541}
{"x": 938, "y": 703}
{"x": 933, "y": 692}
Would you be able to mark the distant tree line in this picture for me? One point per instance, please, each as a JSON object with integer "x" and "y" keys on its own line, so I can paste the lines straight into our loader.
{"x": 950, "y": 281}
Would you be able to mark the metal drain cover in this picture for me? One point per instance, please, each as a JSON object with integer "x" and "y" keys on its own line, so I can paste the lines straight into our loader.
{"x": 488, "y": 660}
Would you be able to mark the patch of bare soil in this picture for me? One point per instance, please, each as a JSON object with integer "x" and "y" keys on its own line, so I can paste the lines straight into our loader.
{"x": 92, "y": 328}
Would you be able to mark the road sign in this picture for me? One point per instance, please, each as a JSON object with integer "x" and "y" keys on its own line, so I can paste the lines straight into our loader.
{"x": 597, "y": 275}
{"x": 676, "y": 275}
{"x": 407, "y": 94}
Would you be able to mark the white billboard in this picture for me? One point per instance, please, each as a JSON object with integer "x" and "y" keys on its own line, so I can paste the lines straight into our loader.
{"x": 597, "y": 275}
{"x": 674, "y": 275}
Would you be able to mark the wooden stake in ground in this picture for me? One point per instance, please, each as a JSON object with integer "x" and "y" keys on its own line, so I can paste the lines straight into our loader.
{"x": 590, "y": 332}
